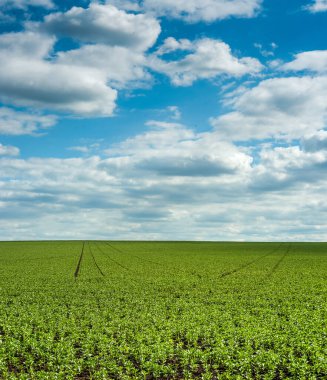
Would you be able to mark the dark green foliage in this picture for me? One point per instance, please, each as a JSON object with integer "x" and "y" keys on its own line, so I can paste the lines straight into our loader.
{"x": 127, "y": 310}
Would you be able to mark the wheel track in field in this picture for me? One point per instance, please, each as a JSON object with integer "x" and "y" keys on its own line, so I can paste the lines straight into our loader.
{"x": 241, "y": 267}
{"x": 111, "y": 259}
{"x": 196, "y": 275}
{"x": 278, "y": 263}
{"x": 95, "y": 262}
{"x": 129, "y": 270}
{"x": 79, "y": 262}
{"x": 135, "y": 280}
{"x": 133, "y": 255}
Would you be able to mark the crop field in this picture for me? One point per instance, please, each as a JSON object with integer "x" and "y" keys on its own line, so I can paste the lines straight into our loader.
{"x": 163, "y": 310}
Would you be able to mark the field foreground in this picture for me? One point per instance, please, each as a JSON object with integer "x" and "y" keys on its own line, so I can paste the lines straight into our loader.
{"x": 141, "y": 310}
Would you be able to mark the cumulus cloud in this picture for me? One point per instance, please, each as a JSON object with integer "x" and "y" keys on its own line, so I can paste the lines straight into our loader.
{"x": 122, "y": 67}
{"x": 29, "y": 78}
{"x": 279, "y": 108}
{"x": 25, "y": 45}
{"x": 42, "y": 84}
{"x": 7, "y": 150}
{"x": 205, "y": 10}
{"x": 166, "y": 183}
{"x": 169, "y": 181}
{"x": 315, "y": 61}
{"x": 112, "y": 55}
{"x": 170, "y": 44}
{"x": 315, "y": 142}
{"x": 287, "y": 167}
{"x": 14, "y": 122}
{"x": 205, "y": 59}
{"x": 104, "y": 24}
{"x": 318, "y": 6}
{"x": 81, "y": 81}
{"x": 170, "y": 149}
{"x": 23, "y": 4}
{"x": 128, "y": 5}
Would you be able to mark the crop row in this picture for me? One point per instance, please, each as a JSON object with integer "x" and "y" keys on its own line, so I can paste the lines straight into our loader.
{"x": 141, "y": 310}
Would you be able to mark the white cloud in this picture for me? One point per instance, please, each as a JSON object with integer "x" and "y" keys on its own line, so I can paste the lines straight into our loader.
{"x": 112, "y": 55}
{"x": 7, "y": 150}
{"x": 175, "y": 112}
{"x": 128, "y": 5}
{"x": 169, "y": 165}
{"x": 170, "y": 44}
{"x": 25, "y": 45}
{"x": 23, "y": 123}
{"x": 104, "y": 24}
{"x": 205, "y": 10}
{"x": 318, "y": 6}
{"x": 287, "y": 167}
{"x": 173, "y": 150}
{"x": 266, "y": 51}
{"x": 280, "y": 159}
{"x": 315, "y": 61}
{"x": 207, "y": 59}
{"x": 168, "y": 183}
{"x": 81, "y": 149}
{"x": 275, "y": 64}
{"x": 28, "y": 78}
{"x": 79, "y": 81}
{"x": 57, "y": 87}
{"x": 315, "y": 142}
{"x": 121, "y": 66}
{"x": 90, "y": 148}
{"x": 23, "y": 4}
{"x": 280, "y": 108}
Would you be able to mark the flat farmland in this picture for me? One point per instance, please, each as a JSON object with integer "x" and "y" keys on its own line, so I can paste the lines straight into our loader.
{"x": 163, "y": 310}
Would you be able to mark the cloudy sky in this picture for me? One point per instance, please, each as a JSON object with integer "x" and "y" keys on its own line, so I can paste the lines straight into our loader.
{"x": 163, "y": 119}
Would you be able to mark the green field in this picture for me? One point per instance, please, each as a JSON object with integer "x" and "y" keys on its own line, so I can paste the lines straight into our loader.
{"x": 163, "y": 310}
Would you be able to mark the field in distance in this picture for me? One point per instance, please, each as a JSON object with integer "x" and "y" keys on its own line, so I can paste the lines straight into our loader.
{"x": 163, "y": 310}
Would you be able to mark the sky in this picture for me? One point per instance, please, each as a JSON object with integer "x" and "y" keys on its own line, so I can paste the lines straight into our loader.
{"x": 163, "y": 120}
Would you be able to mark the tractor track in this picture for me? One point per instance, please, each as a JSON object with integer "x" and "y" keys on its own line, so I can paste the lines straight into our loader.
{"x": 132, "y": 255}
{"x": 79, "y": 262}
{"x": 96, "y": 264}
{"x": 128, "y": 270}
{"x": 183, "y": 271}
{"x": 281, "y": 259}
{"x": 230, "y": 272}
{"x": 133, "y": 279}
{"x": 111, "y": 259}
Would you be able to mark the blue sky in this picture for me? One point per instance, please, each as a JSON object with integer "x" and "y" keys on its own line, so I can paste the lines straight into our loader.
{"x": 160, "y": 119}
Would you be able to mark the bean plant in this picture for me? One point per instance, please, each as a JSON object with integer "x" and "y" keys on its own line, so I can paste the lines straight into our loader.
{"x": 162, "y": 310}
